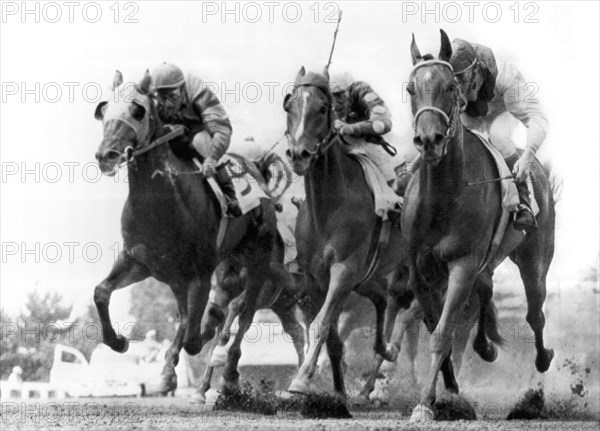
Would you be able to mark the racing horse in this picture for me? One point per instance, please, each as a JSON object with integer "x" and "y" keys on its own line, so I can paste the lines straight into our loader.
{"x": 279, "y": 293}
{"x": 337, "y": 229}
{"x": 451, "y": 212}
{"x": 170, "y": 225}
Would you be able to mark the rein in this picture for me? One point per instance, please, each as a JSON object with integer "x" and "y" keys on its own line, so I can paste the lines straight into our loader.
{"x": 130, "y": 153}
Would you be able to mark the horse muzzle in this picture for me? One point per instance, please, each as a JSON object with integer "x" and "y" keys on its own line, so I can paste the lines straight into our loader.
{"x": 300, "y": 159}
{"x": 110, "y": 160}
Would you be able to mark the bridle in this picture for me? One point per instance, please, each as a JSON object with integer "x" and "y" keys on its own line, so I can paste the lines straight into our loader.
{"x": 130, "y": 152}
{"x": 326, "y": 142}
{"x": 451, "y": 121}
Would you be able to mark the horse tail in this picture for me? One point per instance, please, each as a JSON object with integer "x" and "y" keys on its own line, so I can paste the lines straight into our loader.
{"x": 492, "y": 326}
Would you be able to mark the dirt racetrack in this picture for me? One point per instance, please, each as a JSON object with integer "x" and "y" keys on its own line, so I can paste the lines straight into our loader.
{"x": 178, "y": 414}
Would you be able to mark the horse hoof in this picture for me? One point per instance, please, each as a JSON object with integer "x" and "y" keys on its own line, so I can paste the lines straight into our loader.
{"x": 299, "y": 386}
{"x": 391, "y": 353}
{"x": 361, "y": 400}
{"x": 542, "y": 362}
{"x": 121, "y": 344}
{"x": 193, "y": 347}
{"x": 421, "y": 413}
{"x": 219, "y": 357}
{"x": 490, "y": 353}
{"x": 229, "y": 387}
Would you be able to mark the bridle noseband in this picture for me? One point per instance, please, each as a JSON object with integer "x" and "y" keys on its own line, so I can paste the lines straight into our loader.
{"x": 450, "y": 121}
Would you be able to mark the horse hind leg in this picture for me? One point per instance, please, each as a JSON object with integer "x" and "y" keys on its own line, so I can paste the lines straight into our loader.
{"x": 124, "y": 272}
{"x": 168, "y": 377}
{"x": 533, "y": 274}
{"x": 335, "y": 350}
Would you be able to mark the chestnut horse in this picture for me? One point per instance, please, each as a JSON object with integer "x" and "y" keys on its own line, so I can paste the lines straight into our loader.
{"x": 170, "y": 223}
{"x": 336, "y": 229}
{"x": 448, "y": 223}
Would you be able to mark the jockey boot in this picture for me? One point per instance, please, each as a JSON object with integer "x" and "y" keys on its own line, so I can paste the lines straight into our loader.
{"x": 224, "y": 181}
{"x": 523, "y": 218}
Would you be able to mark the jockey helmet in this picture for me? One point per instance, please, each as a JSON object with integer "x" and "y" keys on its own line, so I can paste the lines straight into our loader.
{"x": 341, "y": 82}
{"x": 167, "y": 76}
{"x": 464, "y": 56}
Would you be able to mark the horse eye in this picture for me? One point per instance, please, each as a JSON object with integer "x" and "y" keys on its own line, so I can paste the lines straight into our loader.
{"x": 410, "y": 88}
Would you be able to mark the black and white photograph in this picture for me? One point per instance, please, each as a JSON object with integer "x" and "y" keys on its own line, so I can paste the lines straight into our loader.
{"x": 333, "y": 215}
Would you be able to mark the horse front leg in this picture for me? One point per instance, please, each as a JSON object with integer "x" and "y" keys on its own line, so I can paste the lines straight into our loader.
{"x": 461, "y": 277}
{"x": 218, "y": 357}
{"x": 340, "y": 286}
{"x": 204, "y": 385}
{"x": 124, "y": 272}
{"x": 385, "y": 314}
{"x": 197, "y": 297}
{"x": 292, "y": 327}
{"x": 247, "y": 303}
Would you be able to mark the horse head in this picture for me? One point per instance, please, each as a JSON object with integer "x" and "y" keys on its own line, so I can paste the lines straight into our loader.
{"x": 434, "y": 95}
{"x": 309, "y": 118}
{"x": 127, "y": 121}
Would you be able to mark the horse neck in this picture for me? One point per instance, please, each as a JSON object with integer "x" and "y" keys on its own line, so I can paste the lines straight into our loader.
{"x": 326, "y": 183}
{"x": 440, "y": 185}
{"x": 151, "y": 164}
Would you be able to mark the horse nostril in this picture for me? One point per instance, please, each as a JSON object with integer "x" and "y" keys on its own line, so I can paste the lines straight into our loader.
{"x": 109, "y": 155}
{"x": 305, "y": 154}
{"x": 438, "y": 138}
{"x": 418, "y": 141}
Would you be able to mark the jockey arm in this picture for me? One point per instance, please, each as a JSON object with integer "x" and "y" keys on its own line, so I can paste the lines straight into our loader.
{"x": 520, "y": 100}
{"x": 216, "y": 122}
{"x": 377, "y": 119}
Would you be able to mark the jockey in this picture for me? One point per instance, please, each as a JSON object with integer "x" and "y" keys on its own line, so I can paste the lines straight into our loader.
{"x": 184, "y": 100}
{"x": 496, "y": 100}
{"x": 360, "y": 113}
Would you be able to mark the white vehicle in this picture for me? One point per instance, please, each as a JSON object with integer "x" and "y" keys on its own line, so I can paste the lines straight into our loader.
{"x": 108, "y": 373}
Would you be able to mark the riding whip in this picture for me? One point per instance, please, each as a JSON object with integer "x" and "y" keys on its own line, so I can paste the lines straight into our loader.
{"x": 337, "y": 27}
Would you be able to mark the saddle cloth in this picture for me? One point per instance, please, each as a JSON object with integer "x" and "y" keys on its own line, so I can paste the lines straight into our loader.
{"x": 384, "y": 197}
{"x": 510, "y": 195}
{"x": 248, "y": 191}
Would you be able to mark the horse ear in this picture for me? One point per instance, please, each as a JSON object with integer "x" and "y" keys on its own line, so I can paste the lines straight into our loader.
{"x": 286, "y": 99}
{"x": 118, "y": 79}
{"x": 144, "y": 86}
{"x": 300, "y": 74}
{"x": 414, "y": 51}
{"x": 137, "y": 111}
{"x": 99, "y": 112}
{"x": 326, "y": 72}
{"x": 446, "y": 49}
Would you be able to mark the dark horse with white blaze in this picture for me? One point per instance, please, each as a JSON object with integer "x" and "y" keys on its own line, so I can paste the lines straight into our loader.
{"x": 448, "y": 222}
{"x": 336, "y": 229}
{"x": 170, "y": 224}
